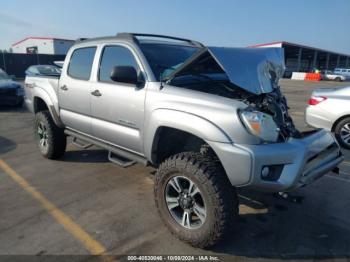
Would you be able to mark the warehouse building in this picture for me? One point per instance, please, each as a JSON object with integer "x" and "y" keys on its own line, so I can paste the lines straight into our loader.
{"x": 300, "y": 58}
{"x": 42, "y": 45}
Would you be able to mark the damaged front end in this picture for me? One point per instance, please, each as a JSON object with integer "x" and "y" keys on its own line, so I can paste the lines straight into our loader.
{"x": 246, "y": 74}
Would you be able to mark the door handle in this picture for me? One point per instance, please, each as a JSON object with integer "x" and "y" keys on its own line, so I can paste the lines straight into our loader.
{"x": 64, "y": 88}
{"x": 96, "y": 93}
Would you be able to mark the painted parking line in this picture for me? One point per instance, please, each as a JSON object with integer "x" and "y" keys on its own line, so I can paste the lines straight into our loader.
{"x": 94, "y": 247}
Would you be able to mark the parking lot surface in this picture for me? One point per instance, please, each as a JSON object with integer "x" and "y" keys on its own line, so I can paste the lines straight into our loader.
{"x": 83, "y": 204}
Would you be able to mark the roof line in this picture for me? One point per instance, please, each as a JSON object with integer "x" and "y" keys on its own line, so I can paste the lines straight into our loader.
{"x": 41, "y": 38}
{"x": 299, "y": 45}
{"x": 265, "y": 44}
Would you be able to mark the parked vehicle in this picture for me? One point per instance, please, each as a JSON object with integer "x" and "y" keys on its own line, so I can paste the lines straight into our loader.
{"x": 343, "y": 71}
{"x": 43, "y": 70}
{"x": 209, "y": 118}
{"x": 330, "y": 109}
{"x": 329, "y": 75}
{"x": 11, "y": 92}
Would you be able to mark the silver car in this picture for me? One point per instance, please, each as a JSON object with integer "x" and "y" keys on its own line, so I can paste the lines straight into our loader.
{"x": 330, "y": 109}
{"x": 209, "y": 118}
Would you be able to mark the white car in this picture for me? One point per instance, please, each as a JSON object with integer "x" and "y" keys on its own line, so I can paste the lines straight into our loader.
{"x": 330, "y": 109}
{"x": 329, "y": 75}
{"x": 343, "y": 72}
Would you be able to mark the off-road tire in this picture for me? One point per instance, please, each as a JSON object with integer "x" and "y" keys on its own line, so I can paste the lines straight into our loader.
{"x": 56, "y": 139}
{"x": 220, "y": 197}
{"x": 337, "y": 132}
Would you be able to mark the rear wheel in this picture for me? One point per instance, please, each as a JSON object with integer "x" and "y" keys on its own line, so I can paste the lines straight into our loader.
{"x": 50, "y": 138}
{"x": 195, "y": 199}
{"x": 342, "y": 132}
{"x": 338, "y": 79}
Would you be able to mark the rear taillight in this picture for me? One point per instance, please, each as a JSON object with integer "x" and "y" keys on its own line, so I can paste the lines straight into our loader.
{"x": 315, "y": 100}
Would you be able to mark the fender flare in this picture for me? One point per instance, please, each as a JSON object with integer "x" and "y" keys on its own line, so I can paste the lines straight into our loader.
{"x": 184, "y": 121}
{"x": 43, "y": 95}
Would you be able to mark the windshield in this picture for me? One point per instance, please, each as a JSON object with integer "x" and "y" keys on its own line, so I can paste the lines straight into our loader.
{"x": 3, "y": 75}
{"x": 165, "y": 58}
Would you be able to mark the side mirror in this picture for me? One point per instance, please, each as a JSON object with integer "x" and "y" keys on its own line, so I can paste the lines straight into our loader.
{"x": 124, "y": 74}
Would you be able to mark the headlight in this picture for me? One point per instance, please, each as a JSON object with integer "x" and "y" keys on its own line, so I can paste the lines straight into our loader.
{"x": 260, "y": 124}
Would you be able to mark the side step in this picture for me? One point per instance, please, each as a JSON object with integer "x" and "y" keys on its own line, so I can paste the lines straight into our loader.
{"x": 116, "y": 155}
{"x": 119, "y": 160}
{"x": 78, "y": 144}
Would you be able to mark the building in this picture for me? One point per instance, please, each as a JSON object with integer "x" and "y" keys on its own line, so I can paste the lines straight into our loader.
{"x": 42, "y": 45}
{"x": 301, "y": 58}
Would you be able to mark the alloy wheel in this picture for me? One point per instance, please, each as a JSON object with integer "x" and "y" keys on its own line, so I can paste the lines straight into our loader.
{"x": 185, "y": 202}
{"x": 43, "y": 137}
{"x": 345, "y": 133}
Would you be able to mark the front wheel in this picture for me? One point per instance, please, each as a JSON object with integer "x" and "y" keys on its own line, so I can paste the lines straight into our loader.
{"x": 195, "y": 199}
{"x": 50, "y": 138}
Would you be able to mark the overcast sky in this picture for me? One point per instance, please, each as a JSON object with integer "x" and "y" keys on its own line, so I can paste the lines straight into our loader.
{"x": 319, "y": 23}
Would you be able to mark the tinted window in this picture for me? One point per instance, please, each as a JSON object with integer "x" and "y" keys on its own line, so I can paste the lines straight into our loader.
{"x": 115, "y": 56}
{"x": 81, "y": 63}
{"x": 165, "y": 58}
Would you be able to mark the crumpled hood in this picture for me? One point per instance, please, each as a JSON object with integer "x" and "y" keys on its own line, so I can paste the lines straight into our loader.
{"x": 256, "y": 70}
{"x": 8, "y": 84}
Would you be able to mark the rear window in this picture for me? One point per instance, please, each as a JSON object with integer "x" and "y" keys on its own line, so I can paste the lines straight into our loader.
{"x": 81, "y": 63}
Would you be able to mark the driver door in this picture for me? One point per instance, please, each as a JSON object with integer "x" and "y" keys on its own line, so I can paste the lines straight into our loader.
{"x": 117, "y": 109}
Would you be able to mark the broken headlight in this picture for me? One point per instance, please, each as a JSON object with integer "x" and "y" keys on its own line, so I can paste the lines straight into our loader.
{"x": 260, "y": 124}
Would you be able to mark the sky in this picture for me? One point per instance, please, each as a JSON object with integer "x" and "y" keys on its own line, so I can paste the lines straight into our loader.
{"x": 236, "y": 23}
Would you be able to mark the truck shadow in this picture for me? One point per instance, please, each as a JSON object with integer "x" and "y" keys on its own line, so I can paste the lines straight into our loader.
{"x": 86, "y": 156}
{"x": 285, "y": 230}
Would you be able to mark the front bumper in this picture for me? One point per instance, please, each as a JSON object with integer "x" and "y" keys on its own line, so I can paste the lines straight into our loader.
{"x": 301, "y": 160}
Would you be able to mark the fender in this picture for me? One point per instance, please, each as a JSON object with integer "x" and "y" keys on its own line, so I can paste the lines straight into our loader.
{"x": 183, "y": 121}
{"x": 42, "y": 94}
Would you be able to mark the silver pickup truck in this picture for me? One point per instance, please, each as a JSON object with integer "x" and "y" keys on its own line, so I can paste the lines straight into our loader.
{"x": 211, "y": 119}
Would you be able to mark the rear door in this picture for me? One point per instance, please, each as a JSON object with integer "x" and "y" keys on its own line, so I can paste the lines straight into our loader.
{"x": 118, "y": 110}
{"x": 74, "y": 90}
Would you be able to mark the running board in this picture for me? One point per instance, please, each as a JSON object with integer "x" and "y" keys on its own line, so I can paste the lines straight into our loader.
{"x": 119, "y": 156}
{"x": 83, "y": 146}
{"x": 119, "y": 160}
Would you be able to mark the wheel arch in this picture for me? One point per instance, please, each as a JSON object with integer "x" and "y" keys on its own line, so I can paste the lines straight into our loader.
{"x": 338, "y": 120}
{"x": 42, "y": 102}
{"x": 184, "y": 130}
